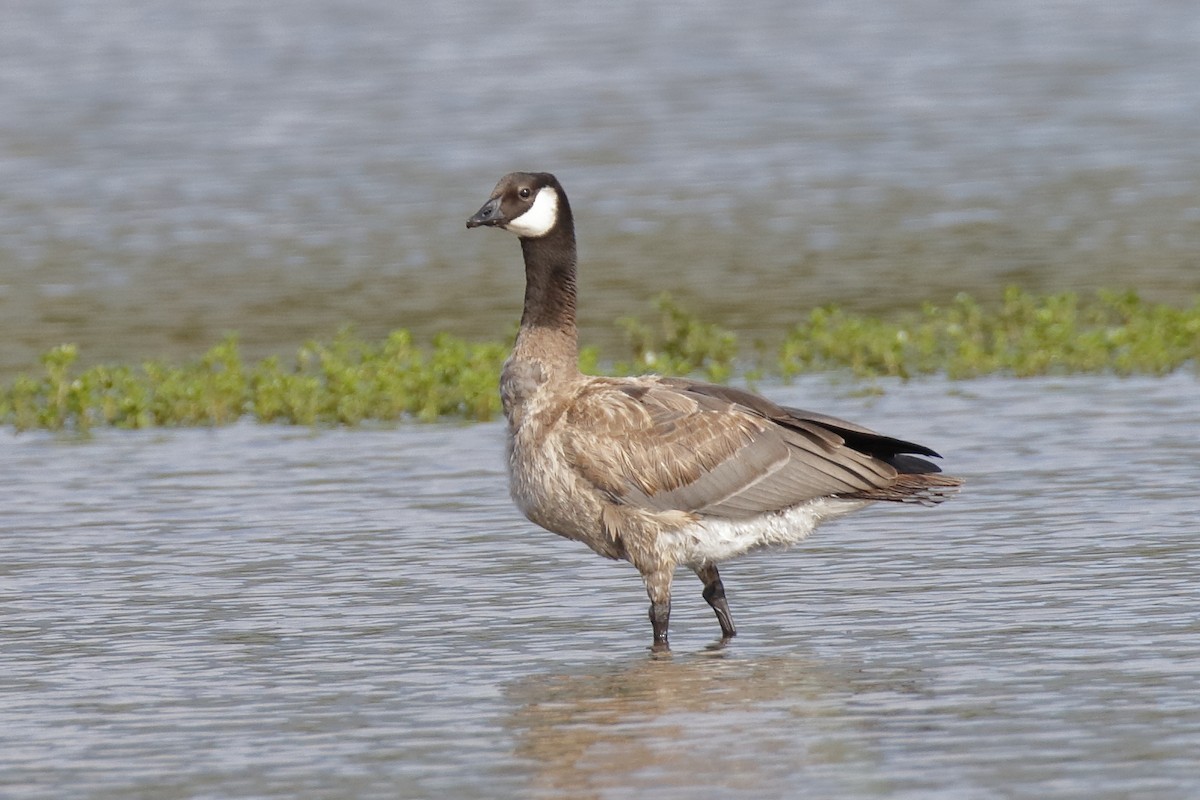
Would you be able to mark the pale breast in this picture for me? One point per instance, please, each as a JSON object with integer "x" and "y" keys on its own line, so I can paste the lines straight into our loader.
{"x": 520, "y": 380}
{"x": 542, "y": 482}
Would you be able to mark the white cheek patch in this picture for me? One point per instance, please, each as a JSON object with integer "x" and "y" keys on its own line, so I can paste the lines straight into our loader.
{"x": 541, "y": 216}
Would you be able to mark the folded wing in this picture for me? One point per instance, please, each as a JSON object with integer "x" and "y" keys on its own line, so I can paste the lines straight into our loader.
{"x": 670, "y": 444}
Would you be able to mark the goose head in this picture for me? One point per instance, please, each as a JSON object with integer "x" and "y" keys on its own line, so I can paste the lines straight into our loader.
{"x": 528, "y": 204}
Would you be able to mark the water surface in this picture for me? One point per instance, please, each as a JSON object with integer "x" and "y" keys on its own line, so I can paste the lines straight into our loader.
{"x": 258, "y": 611}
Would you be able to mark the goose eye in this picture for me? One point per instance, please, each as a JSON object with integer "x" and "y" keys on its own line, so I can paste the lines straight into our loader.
{"x": 524, "y": 193}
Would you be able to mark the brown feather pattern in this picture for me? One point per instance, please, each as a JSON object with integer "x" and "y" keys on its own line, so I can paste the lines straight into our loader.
{"x": 670, "y": 444}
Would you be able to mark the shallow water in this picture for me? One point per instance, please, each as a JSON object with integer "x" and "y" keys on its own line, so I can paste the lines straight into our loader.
{"x": 258, "y": 611}
{"x": 170, "y": 171}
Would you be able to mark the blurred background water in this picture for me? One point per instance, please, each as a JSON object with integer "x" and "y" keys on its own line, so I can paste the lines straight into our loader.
{"x": 172, "y": 171}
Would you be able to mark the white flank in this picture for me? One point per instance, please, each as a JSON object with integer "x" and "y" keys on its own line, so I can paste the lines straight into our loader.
{"x": 540, "y": 217}
{"x": 714, "y": 540}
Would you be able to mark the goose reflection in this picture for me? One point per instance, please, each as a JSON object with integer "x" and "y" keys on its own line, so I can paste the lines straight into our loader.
{"x": 707, "y": 721}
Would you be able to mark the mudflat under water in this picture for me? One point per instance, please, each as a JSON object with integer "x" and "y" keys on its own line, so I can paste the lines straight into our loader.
{"x": 170, "y": 171}
{"x": 258, "y": 611}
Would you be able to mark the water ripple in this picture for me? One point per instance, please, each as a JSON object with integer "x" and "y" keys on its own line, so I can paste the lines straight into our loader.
{"x": 256, "y": 611}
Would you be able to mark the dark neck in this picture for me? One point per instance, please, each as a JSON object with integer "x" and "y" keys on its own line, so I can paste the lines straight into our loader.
{"x": 548, "y": 331}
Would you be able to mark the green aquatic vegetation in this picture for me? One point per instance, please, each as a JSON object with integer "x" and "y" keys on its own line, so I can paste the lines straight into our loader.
{"x": 1027, "y": 335}
{"x": 678, "y": 343}
{"x": 348, "y": 381}
{"x": 345, "y": 382}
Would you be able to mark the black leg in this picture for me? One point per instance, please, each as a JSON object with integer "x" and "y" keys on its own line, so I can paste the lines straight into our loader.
{"x": 660, "y": 617}
{"x": 658, "y": 586}
{"x": 714, "y": 593}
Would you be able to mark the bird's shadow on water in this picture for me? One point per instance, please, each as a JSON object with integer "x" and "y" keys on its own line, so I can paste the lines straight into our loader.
{"x": 709, "y": 719}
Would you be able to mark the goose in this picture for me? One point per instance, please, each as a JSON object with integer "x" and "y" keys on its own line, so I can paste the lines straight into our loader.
{"x": 663, "y": 471}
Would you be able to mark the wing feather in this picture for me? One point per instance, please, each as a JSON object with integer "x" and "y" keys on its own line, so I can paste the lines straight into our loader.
{"x": 666, "y": 444}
